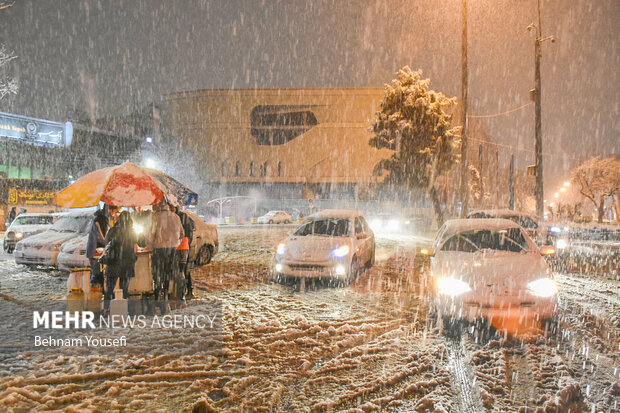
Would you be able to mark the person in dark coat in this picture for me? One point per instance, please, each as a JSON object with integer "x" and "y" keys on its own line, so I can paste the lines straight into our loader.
{"x": 188, "y": 228}
{"x": 96, "y": 239}
{"x": 119, "y": 256}
{"x": 12, "y": 214}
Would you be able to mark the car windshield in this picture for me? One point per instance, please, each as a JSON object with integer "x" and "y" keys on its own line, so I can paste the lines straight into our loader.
{"x": 78, "y": 224}
{"x": 270, "y": 213}
{"x": 510, "y": 239}
{"x": 34, "y": 220}
{"x": 333, "y": 227}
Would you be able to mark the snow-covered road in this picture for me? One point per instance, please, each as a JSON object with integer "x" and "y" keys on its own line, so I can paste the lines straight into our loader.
{"x": 367, "y": 347}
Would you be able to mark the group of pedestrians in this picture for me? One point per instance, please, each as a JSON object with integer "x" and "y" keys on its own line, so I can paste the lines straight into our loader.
{"x": 114, "y": 240}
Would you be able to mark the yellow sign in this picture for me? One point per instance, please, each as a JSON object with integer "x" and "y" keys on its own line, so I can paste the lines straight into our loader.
{"x": 30, "y": 197}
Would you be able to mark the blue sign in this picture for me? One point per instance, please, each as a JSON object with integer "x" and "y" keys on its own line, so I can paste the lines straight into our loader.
{"x": 38, "y": 132}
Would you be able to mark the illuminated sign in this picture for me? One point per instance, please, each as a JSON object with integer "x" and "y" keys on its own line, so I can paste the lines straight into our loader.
{"x": 38, "y": 132}
{"x": 30, "y": 197}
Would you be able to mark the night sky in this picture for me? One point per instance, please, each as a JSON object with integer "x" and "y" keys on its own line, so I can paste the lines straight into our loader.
{"x": 112, "y": 57}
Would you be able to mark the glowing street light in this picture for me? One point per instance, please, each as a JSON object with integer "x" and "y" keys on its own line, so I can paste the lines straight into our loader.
{"x": 566, "y": 184}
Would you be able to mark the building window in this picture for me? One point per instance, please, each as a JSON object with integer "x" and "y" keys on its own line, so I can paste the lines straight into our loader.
{"x": 251, "y": 168}
{"x": 224, "y": 167}
{"x": 280, "y": 124}
{"x": 237, "y": 169}
{"x": 263, "y": 169}
{"x": 279, "y": 168}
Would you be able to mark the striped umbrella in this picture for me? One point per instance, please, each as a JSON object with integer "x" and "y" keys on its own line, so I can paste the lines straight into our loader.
{"x": 125, "y": 185}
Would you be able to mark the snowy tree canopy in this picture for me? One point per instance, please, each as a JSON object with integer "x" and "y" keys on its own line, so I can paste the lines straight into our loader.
{"x": 7, "y": 85}
{"x": 598, "y": 180}
{"x": 414, "y": 123}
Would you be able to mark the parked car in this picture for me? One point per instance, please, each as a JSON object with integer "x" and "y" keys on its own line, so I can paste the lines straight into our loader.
{"x": 43, "y": 248}
{"x": 331, "y": 243}
{"x": 73, "y": 254}
{"x": 275, "y": 217}
{"x": 204, "y": 246}
{"x": 24, "y": 226}
{"x": 491, "y": 269}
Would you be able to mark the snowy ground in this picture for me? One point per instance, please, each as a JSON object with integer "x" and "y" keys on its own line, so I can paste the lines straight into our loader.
{"x": 367, "y": 347}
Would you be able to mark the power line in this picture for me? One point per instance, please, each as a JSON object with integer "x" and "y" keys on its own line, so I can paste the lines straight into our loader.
{"x": 499, "y": 114}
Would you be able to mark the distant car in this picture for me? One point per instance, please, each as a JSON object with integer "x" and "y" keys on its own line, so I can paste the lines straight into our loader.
{"x": 490, "y": 268}
{"x": 529, "y": 222}
{"x": 204, "y": 246}
{"x": 331, "y": 243}
{"x": 43, "y": 248}
{"x": 24, "y": 226}
{"x": 396, "y": 223}
{"x": 275, "y": 217}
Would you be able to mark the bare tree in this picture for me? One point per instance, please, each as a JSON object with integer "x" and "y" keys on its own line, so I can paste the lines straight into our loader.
{"x": 8, "y": 85}
{"x": 598, "y": 180}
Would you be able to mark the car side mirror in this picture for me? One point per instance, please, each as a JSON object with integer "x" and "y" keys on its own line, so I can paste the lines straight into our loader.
{"x": 547, "y": 250}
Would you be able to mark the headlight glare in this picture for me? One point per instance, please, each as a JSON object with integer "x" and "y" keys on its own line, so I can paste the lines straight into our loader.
{"x": 281, "y": 249}
{"x": 19, "y": 235}
{"x": 561, "y": 244}
{"x": 452, "y": 286}
{"x": 543, "y": 287}
{"x": 341, "y": 251}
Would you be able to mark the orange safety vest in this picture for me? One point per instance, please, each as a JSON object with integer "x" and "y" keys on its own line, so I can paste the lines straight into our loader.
{"x": 184, "y": 244}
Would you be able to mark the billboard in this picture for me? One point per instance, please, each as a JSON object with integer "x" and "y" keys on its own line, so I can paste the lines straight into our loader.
{"x": 38, "y": 132}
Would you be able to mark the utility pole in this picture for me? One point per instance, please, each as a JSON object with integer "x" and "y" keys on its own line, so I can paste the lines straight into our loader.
{"x": 539, "y": 191}
{"x": 464, "y": 81}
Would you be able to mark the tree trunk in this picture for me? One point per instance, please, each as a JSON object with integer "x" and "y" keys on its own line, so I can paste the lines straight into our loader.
{"x": 601, "y": 209}
{"x": 432, "y": 192}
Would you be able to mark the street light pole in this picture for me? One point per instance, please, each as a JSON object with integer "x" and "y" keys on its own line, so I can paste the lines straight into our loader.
{"x": 540, "y": 208}
{"x": 464, "y": 80}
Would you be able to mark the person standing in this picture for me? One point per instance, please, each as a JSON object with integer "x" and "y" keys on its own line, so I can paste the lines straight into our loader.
{"x": 166, "y": 235}
{"x": 96, "y": 239}
{"x": 12, "y": 214}
{"x": 188, "y": 228}
{"x": 119, "y": 257}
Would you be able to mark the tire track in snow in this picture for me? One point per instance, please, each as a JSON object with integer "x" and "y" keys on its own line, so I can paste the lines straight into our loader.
{"x": 463, "y": 378}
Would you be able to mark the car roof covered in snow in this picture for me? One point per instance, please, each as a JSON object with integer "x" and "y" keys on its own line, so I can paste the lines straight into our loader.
{"x": 34, "y": 214}
{"x": 336, "y": 213}
{"x": 501, "y": 213}
{"x": 454, "y": 226}
{"x": 75, "y": 214}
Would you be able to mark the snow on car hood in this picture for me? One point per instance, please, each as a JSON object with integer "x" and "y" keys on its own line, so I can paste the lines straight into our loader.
{"x": 25, "y": 229}
{"x": 312, "y": 247}
{"x": 490, "y": 266}
{"x": 74, "y": 244}
{"x": 49, "y": 237}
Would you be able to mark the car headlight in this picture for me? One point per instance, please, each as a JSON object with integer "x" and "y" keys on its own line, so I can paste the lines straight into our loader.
{"x": 393, "y": 225}
{"x": 543, "y": 287}
{"x": 138, "y": 229}
{"x": 279, "y": 267}
{"x": 452, "y": 286}
{"x": 555, "y": 230}
{"x": 281, "y": 249}
{"x": 341, "y": 251}
{"x": 561, "y": 244}
{"x": 19, "y": 235}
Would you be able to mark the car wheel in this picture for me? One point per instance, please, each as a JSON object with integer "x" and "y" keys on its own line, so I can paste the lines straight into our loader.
{"x": 353, "y": 271}
{"x": 371, "y": 261}
{"x": 204, "y": 255}
{"x": 270, "y": 222}
{"x": 288, "y": 221}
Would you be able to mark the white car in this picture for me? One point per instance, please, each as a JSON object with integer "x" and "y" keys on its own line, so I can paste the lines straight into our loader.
{"x": 204, "y": 246}
{"x": 275, "y": 217}
{"x": 330, "y": 243}
{"x": 73, "y": 254}
{"x": 43, "y": 248}
{"x": 491, "y": 269}
{"x": 24, "y": 226}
